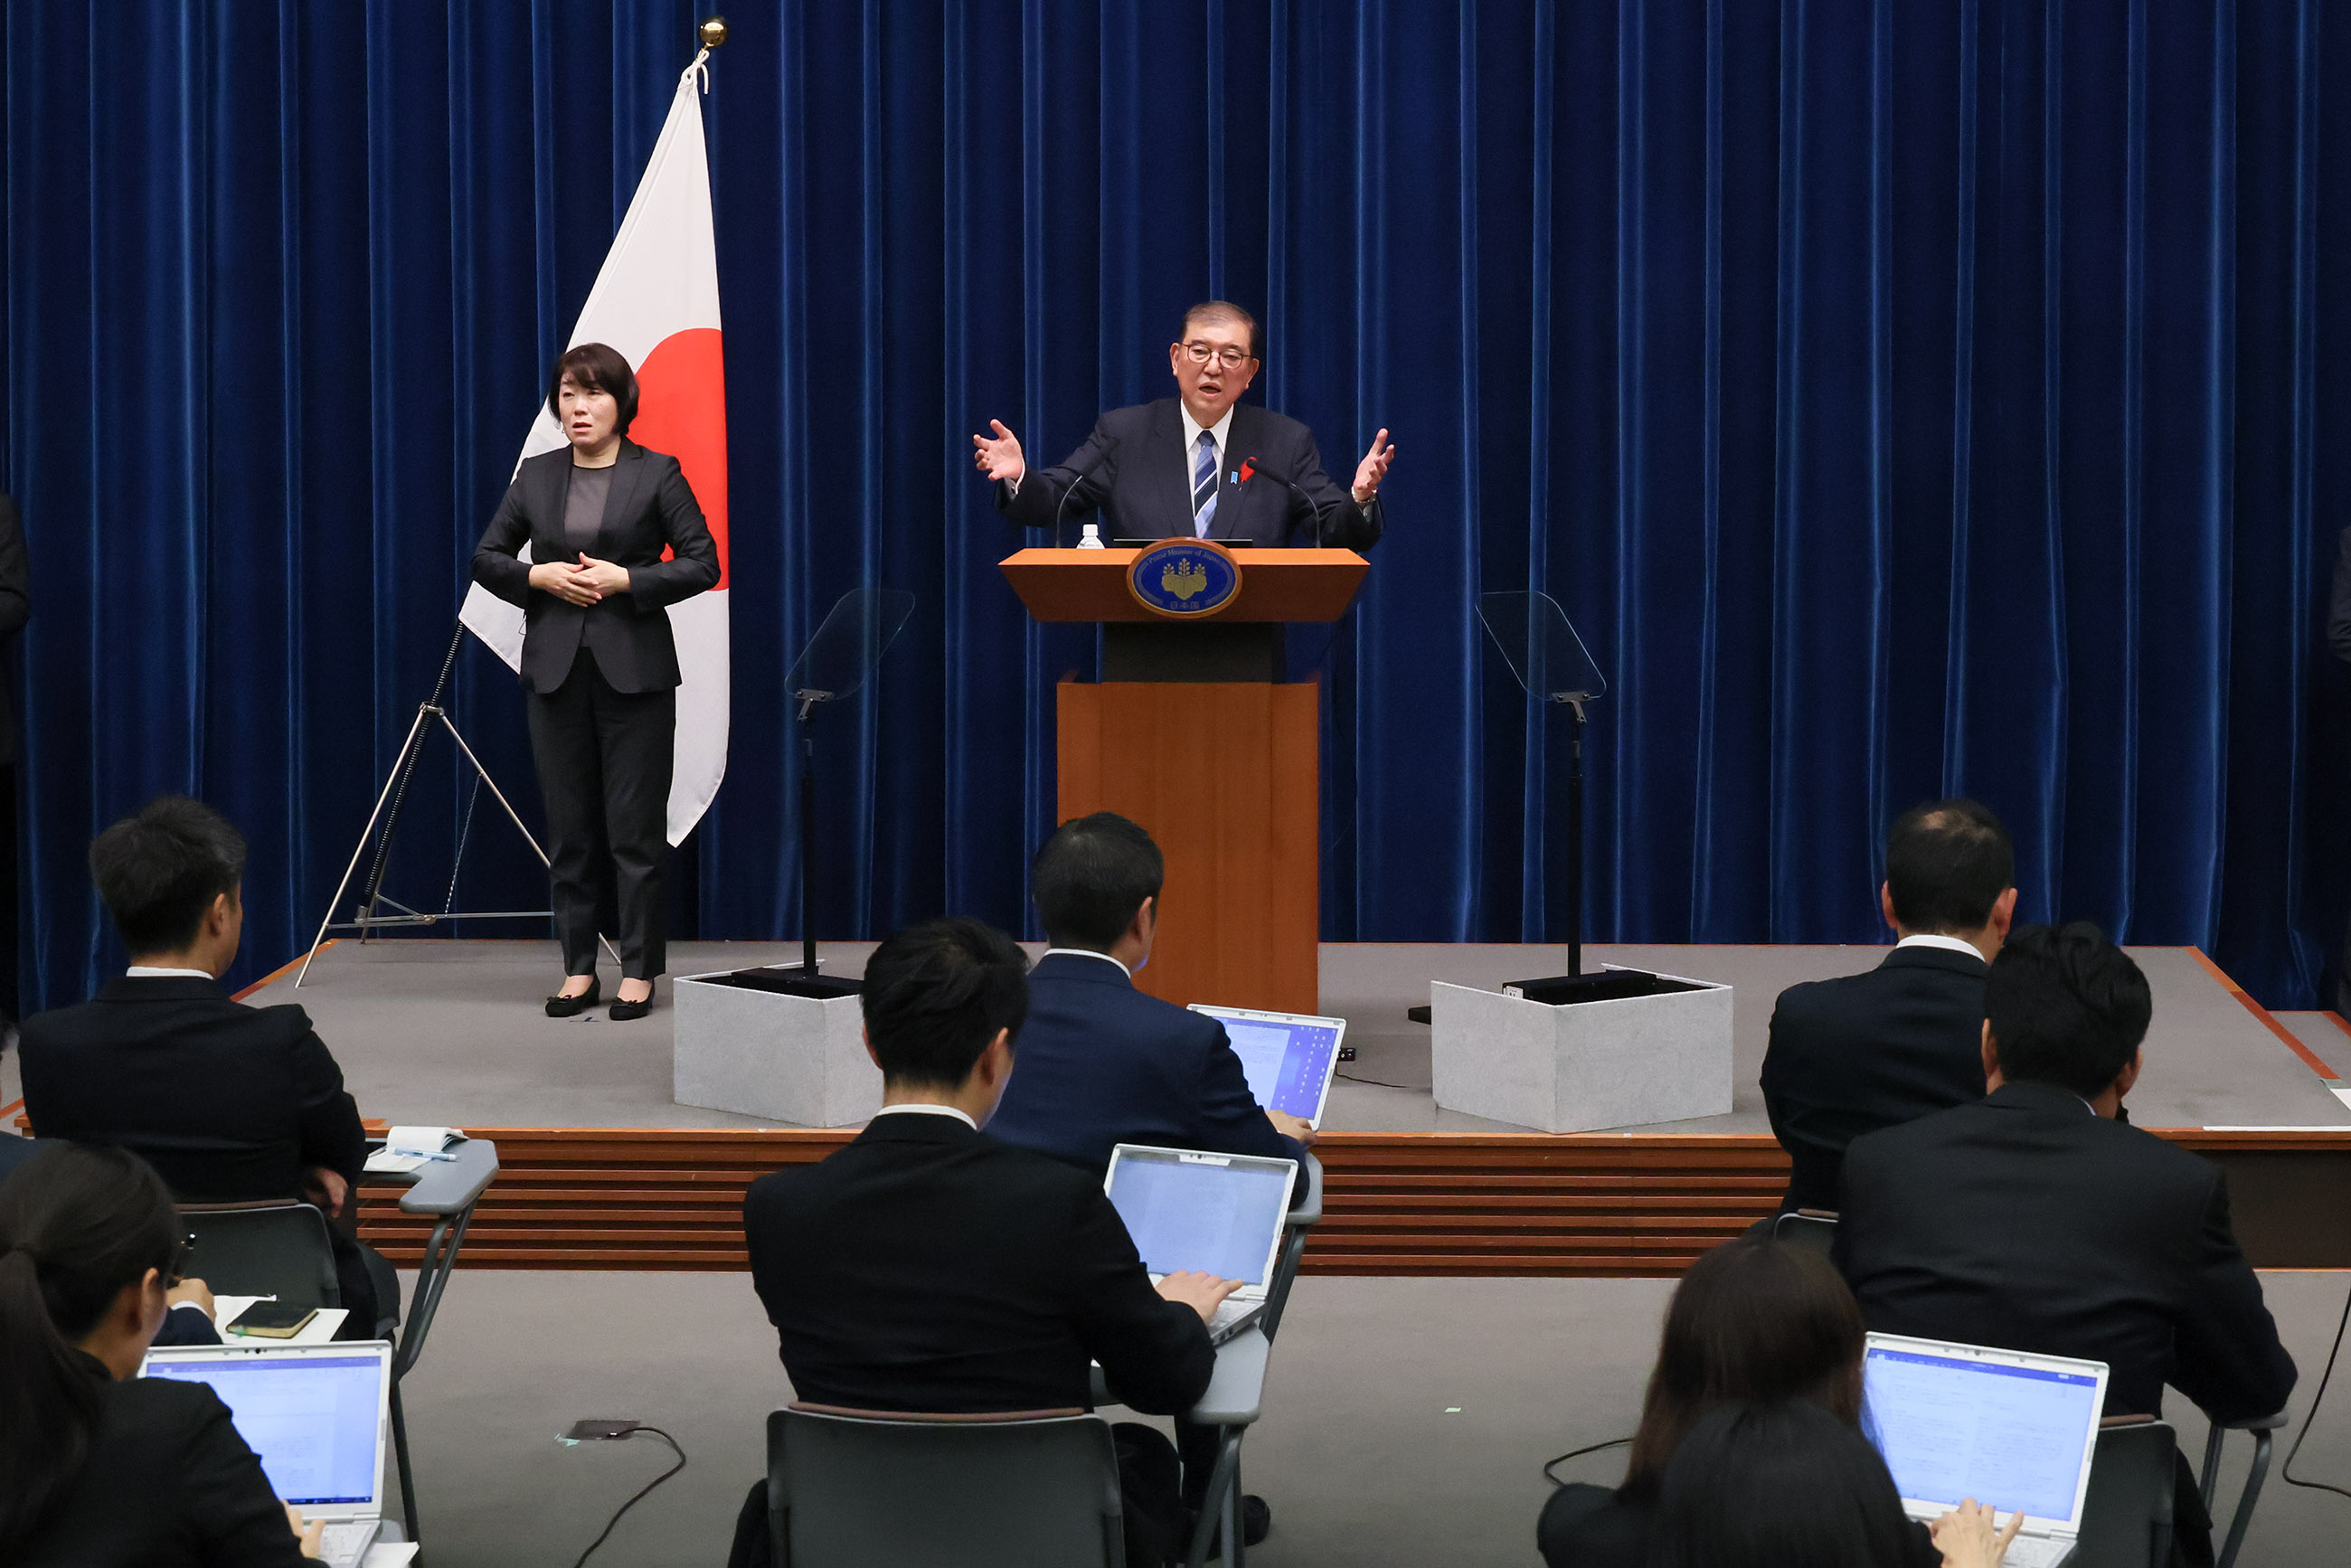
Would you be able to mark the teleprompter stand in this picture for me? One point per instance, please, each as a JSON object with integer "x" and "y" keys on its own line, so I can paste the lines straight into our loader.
{"x": 369, "y": 914}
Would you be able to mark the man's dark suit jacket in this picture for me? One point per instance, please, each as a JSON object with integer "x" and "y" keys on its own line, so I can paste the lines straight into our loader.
{"x": 1100, "y": 1064}
{"x": 168, "y": 1484}
{"x": 1863, "y": 1052}
{"x": 927, "y": 1267}
{"x": 650, "y": 505}
{"x": 229, "y": 1104}
{"x": 1143, "y": 488}
{"x": 2027, "y": 1221}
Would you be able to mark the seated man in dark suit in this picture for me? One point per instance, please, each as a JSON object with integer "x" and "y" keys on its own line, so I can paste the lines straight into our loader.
{"x": 2037, "y": 1218}
{"x": 229, "y": 1104}
{"x": 1199, "y": 464}
{"x": 1103, "y": 1063}
{"x": 929, "y": 1267}
{"x": 1851, "y": 1055}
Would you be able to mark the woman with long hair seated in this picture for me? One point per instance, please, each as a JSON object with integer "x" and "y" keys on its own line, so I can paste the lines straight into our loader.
{"x": 100, "y": 1467}
{"x": 1771, "y": 1486}
{"x": 1754, "y": 1322}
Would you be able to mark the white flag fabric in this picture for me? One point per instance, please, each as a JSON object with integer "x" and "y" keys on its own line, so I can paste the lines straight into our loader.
{"x": 656, "y": 301}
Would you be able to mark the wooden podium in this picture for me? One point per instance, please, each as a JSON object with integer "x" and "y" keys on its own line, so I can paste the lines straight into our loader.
{"x": 1194, "y": 732}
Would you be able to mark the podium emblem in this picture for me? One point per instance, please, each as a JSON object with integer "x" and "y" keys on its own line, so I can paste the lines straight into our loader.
{"x": 1184, "y": 580}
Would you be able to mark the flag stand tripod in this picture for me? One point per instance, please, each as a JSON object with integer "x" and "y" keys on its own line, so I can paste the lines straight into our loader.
{"x": 366, "y": 915}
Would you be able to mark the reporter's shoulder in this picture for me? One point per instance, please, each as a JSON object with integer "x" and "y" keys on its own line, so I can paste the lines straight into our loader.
{"x": 2153, "y": 1158}
{"x": 289, "y": 1020}
{"x": 161, "y": 1406}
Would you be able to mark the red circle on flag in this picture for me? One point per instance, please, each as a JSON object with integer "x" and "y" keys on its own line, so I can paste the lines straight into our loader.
{"x": 681, "y": 410}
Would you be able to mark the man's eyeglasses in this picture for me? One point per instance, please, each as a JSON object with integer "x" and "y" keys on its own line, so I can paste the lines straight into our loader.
{"x": 1230, "y": 359}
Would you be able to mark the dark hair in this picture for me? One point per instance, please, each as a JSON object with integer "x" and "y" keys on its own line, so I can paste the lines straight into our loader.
{"x": 1091, "y": 877}
{"x": 160, "y": 870}
{"x": 1778, "y": 1485}
{"x": 595, "y": 366}
{"x": 1753, "y": 1320}
{"x": 76, "y": 1224}
{"x": 936, "y": 994}
{"x": 1219, "y": 310}
{"x": 2066, "y": 1007}
{"x": 1946, "y": 863}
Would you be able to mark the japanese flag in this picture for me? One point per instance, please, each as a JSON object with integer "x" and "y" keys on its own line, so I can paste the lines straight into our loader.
{"x": 656, "y": 301}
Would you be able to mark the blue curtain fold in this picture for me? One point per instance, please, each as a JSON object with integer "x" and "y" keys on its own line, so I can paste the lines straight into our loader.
{"x": 1903, "y": 399}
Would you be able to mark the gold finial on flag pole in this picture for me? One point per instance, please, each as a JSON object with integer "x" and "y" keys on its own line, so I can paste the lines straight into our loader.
{"x": 712, "y": 33}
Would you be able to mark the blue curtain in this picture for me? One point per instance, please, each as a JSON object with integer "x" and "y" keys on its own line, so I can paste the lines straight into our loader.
{"x": 1903, "y": 398}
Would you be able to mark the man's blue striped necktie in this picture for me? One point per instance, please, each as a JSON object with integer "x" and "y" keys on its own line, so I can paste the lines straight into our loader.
{"x": 1204, "y": 486}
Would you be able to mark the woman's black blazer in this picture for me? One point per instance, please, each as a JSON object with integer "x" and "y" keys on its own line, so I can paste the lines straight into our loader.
{"x": 650, "y": 505}
{"x": 168, "y": 1484}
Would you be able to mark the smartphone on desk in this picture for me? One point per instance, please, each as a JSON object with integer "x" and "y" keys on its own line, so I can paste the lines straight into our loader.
{"x": 271, "y": 1320}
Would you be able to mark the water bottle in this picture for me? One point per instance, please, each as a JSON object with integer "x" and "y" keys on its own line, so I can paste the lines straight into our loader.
{"x": 1092, "y": 539}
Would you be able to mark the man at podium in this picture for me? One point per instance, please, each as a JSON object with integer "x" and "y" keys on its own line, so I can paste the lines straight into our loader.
{"x": 1197, "y": 464}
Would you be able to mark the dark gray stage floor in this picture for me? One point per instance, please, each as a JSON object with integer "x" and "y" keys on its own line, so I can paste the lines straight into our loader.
{"x": 1406, "y": 1421}
{"x": 451, "y": 1033}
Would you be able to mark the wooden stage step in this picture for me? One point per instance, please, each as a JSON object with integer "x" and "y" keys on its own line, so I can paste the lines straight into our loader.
{"x": 1395, "y": 1203}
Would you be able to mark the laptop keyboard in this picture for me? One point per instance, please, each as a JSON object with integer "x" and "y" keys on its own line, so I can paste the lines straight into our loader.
{"x": 2036, "y": 1551}
{"x": 347, "y": 1541}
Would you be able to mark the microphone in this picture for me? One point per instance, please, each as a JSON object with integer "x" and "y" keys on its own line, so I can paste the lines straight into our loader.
{"x": 1079, "y": 476}
{"x": 1250, "y": 468}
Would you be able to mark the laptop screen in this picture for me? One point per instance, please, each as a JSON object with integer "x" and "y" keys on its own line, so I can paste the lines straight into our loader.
{"x": 311, "y": 1420}
{"x": 1954, "y": 1425}
{"x": 1288, "y": 1059}
{"x": 1217, "y": 1214}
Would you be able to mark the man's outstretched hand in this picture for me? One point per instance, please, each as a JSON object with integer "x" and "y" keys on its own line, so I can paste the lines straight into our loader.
{"x": 1204, "y": 1293}
{"x": 1373, "y": 469}
{"x": 1000, "y": 458}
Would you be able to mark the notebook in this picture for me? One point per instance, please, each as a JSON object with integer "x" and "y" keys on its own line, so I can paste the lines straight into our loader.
{"x": 316, "y": 1416}
{"x": 1220, "y": 1214}
{"x": 2013, "y": 1430}
{"x": 1288, "y": 1058}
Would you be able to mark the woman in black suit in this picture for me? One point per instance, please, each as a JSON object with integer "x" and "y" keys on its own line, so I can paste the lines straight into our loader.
{"x": 1752, "y": 1322}
{"x": 599, "y": 664}
{"x": 100, "y": 1467}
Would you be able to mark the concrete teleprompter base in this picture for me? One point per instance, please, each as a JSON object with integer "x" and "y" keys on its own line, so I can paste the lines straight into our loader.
{"x": 1584, "y": 1066}
{"x": 782, "y": 1058}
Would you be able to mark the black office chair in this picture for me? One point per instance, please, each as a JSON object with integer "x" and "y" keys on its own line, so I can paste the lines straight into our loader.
{"x": 269, "y": 1249}
{"x": 2127, "y": 1517}
{"x": 1035, "y": 1489}
{"x": 1813, "y": 1228}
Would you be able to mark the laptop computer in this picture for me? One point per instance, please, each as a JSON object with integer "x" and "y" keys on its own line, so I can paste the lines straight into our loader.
{"x": 2013, "y": 1430}
{"x": 1221, "y": 1214}
{"x": 316, "y": 1416}
{"x": 1288, "y": 1058}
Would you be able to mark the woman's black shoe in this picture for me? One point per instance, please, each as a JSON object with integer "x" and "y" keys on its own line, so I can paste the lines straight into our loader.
{"x": 573, "y": 1007}
{"x": 624, "y": 1012}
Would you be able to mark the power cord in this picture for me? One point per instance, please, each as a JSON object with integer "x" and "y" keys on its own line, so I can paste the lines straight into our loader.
{"x": 583, "y": 1432}
{"x": 2285, "y": 1471}
{"x": 1377, "y": 1082}
{"x": 1577, "y": 1454}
